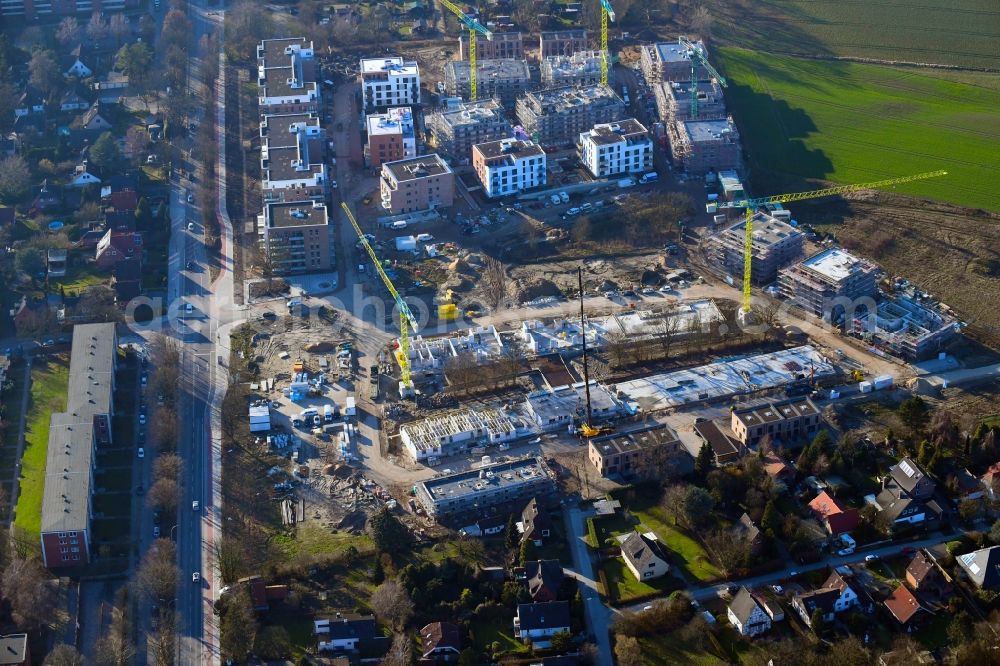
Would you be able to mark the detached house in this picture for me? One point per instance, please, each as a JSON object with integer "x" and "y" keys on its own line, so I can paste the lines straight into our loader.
{"x": 745, "y": 527}
{"x": 924, "y": 577}
{"x": 30, "y": 102}
{"x": 537, "y": 623}
{"x": 543, "y": 578}
{"x": 906, "y": 495}
{"x": 118, "y": 246}
{"x": 73, "y": 64}
{"x": 911, "y": 479}
{"x": 747, "y": 615}
{"x": 836, "y": 595}
{"x": 353, "y": 633}
{"x": 92, "y": 119}
{"x": 535, "y": 525}
{"x": 82, "y": 177}
{"x": 644, "y": 555}
{"x": 833, "y": 515}
{"x": 982, "y": 567}
{"x": 73, "y": 100}
{"x": 906, "y": 608}
{"x": 442, "y": 643}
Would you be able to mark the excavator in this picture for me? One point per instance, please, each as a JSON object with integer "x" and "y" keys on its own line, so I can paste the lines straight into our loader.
{"x": 588, "y": 429}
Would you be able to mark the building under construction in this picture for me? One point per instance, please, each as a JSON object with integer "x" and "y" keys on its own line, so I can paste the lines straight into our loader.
{"x": 670, "y": 61}
{"x": 775, "y": 245}
{"x": 558, "y": 115}
{"x": 909, "y": 325}
{"x": 561, "y": 42}
{"x": 455, "y": 132}
{"x": 830, "y": 284}
{"x": 700, "y": 146}
{"x": 673, "y": 101}
{"x": 503, "y": 45}
{"x": 502, "y": 80}
{"x": 583, "y": 68}
{"x": 456, "y": 432}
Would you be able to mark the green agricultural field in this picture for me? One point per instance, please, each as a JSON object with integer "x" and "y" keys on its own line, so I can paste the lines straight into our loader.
{"x": 963, "y": 33}
{"x": 49, "y": 383}
{"x": 850, "y": 123}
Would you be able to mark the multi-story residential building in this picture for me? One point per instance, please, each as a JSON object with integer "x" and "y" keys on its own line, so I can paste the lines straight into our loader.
{"x": 700, "y": 146}
{"x": 476, "y": 490}
{"x": 38, "y": 9}
{"x": 416, "y": 184}
{"x": 455, "y": 132}
{"x": 283, "y": 130}
{"x": 582, "y": 68}
{"x": 616, "y": 148}
{"x": 286, "y": 76}
{"x": 508, "y": 166}
{"x": 455, "y": 432}
{"x": 296, "y": 236}
{"x": 503, "y": 80}
{"x": 561, "y": 42}
{"x": 775, "y": 244}
{"x": 389, "y": 82}
{"x": 557, "y": 116}
{"x": 508, "y": 45}
{"x": 638, "y": 453}
{"x": 830, "y": 284}
{"x": 293, "y": 155}
{"x": 785, "y": 421}
{"x": 670, "y": 61}
{"x": 75, "y": 436}
{"x": 673, "y": 100}
{"x": 908, "y": 325}
{"x": 391, "y": 136}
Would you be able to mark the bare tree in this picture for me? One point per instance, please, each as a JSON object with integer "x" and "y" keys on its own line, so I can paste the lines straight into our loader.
{"x": 116, "y": 648}
{"x": 494, "y": 284}
{"x": 119, "y": 27}
{"x": 96, "y": 29}
{"x": 627, "y": 651}
{"x": 162, "y": 641}
{"x": 729, "y": 550}
{"x": 68, "y": 31}
{"x": 64, "y": 655}
{"x": 164, "y": 493}
{"x": 391, "y": 603}
{"x": 168, "y": 466}
{"x": 165, "y": 428}
{"x": 230, "y": 555}
{"x": 401, "y": 652}
{"x": 700, "y": 21}
{"x": 158, "y": 574}
{"x": 15, "y": 176}
{"x": 30, "y": 592}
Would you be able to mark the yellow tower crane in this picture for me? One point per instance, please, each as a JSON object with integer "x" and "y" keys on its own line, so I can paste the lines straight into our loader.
{"x": 474, "y": 27}
{"x": 753, "y": 204}
{"x": 607, "y": 13}
{"x": 406, "y": 319}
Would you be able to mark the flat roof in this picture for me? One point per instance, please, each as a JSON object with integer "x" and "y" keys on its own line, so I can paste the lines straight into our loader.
{"x": 474, "y": 113}
{"x": 578, "y": 33}
{"x": 776, "y": 411}
{"x": 423, "y": 166}
{"x": 496, "y": 69}
{"x": 507, "y": 474}
{"x": 397, "y": 120}
{"x": 296, "y": 214}
{"x": 635, "y": 441}
{"x": 281, "y": 123}
{"x": 272, "y": 48}
{"x": 725, "y": 378}
{"x": 565, "y": 97}
{"x": 674, "y": 52}
{"x": 710, "y": 130}
{"x": 556, "y": 404}
{"x": 629, "y": 130}
{"x": 282, "y": 164}
{"x": 835, "y": 263}
{"x": 512, "y": 148}
{"x": 767, "y": 230}
{"x": 395, "y": 65}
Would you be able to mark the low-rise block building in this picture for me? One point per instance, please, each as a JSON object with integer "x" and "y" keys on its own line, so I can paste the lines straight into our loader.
{"x": 509, "y": 45}
{"x": 389, "y": 82}
{"x": 509, "y": 166}
{"x": 616, "y": 148}
{"x": 831, "y": 284}
{"x": 670, "y": 61}
{"x": 455, "y": 432}
{"x": 582, "y": 68}
{"x": 561, "y": 42}
{"x": 673, "y": 100}
{"x": 476, "y": 491}
{"x": 286, "y": 76}
{"x": 558, "y": 115}
{"x": 416, "y": 184}
{"x": 296, "y": 236}
{"x": 775, "y": 244}
{"x": 785, "y": 421}
{"x": 700, "y": 146}
{"x": 502, "y": 80}
{"x": 390, "y": 136}
{"x": 638, "y": 453}
{"x": 454, "y": 132}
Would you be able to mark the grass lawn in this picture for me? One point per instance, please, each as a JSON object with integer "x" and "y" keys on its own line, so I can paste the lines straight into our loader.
{"x": 314, "y": 539}
{"x": 300, "y": 632}
{"x": 852, "y": 123}
{"x": 78, "y": 277}
{"x": 502, "y": 631}
{"x": 686, "y": 553}
{"x": 624, "y": 588}
{"x": 667, "y": 650}
{"x": 49, "y": 384}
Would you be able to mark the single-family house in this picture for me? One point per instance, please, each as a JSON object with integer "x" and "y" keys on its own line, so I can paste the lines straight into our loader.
{"x": 644, "y": 555}
{"x": 925, "y": 578}
{"x": 537, "y": 623}
{"x": 348, "y": 633}
{"x": 48, "y": 197}
{"x": 900, "y": 509}
{"x": 543, "y": 578}
{"x": 991, "y": 481}
{"x": 30, "y": 102}
{"x": 776, "y": 468}
{"x": 967, "y": 486}
{"x": 111, "y": 81}
{"x": 73, "y": 100}
{"x": 117, "y": 246}
{"x": 982, "y": 567}
{"x": 850, "y": 594}
{"x": 746, "y": 528}
{"x": 836, "y": 595}
{"x": 124, "y": 201}
{"x": 82, "y": 177}
{"x": 120, "y": 220}
{"x": 55, "y": 259}
{"x": 535, "y": 525}
{"x": 772, "y": 607}
{"x": 912, "y": 479}
{"x": 833, "y": 515}
{"x": 10, "y": 145}
{"x": 73, "y": 64}
{"x": 93, "y": 118}
{"x": 14, "y": 650}
{"x": 747, "y": 615}
{"x": 906, "y": 608}
{"x": 441, "y": 643}
{"x": 126, "y": 280}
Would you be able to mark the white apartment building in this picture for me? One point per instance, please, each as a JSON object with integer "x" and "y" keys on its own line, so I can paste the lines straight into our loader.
{"x": 286, "y": 76}
{"x": 508, "y": 166}
{"x": 616, "y": 148}
{"x": 390, "y": 82}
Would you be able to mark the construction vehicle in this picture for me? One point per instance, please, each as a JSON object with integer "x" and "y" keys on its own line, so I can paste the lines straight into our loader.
{"x": 607, "y": 13}
{"x": 696, "y": 56}
{"x": 475, "y": 27}
{"x": 752, "y": 205}
{"x": 857, "y": 375}
{"x": 406, "y": 319}
{"x": 588, "y": 429}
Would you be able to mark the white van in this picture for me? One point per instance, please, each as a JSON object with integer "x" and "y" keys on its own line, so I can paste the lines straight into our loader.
{"x": 308, "y": 413}
{"x": 328, "y": 413}
{"x": 294, "y": 303}
{"x": 399, "y": 224}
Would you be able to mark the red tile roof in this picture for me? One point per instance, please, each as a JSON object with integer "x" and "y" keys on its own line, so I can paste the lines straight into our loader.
{"x": 838, "y": 518}
{"x": 902, "y": 604}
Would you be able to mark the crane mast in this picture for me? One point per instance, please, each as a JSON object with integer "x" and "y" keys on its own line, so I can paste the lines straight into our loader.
{"x": 607, "y": 13}
{"x": 475, "y": 27}
{"x": 406, "y": 319}
{"x": 752, "y": 205}
{"x": 697, "y": 56}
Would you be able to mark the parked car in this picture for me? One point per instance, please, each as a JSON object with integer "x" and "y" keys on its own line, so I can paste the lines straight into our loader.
{"x": 195, "y": 505}
{"x": 142, "y": 419}
{"x": 156, "y": 532}
{"x": 778, "y": 589}
{"x": 195, "y": 577}
{"x": 871, "y": 558}
{"x": 142, "y": 452}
